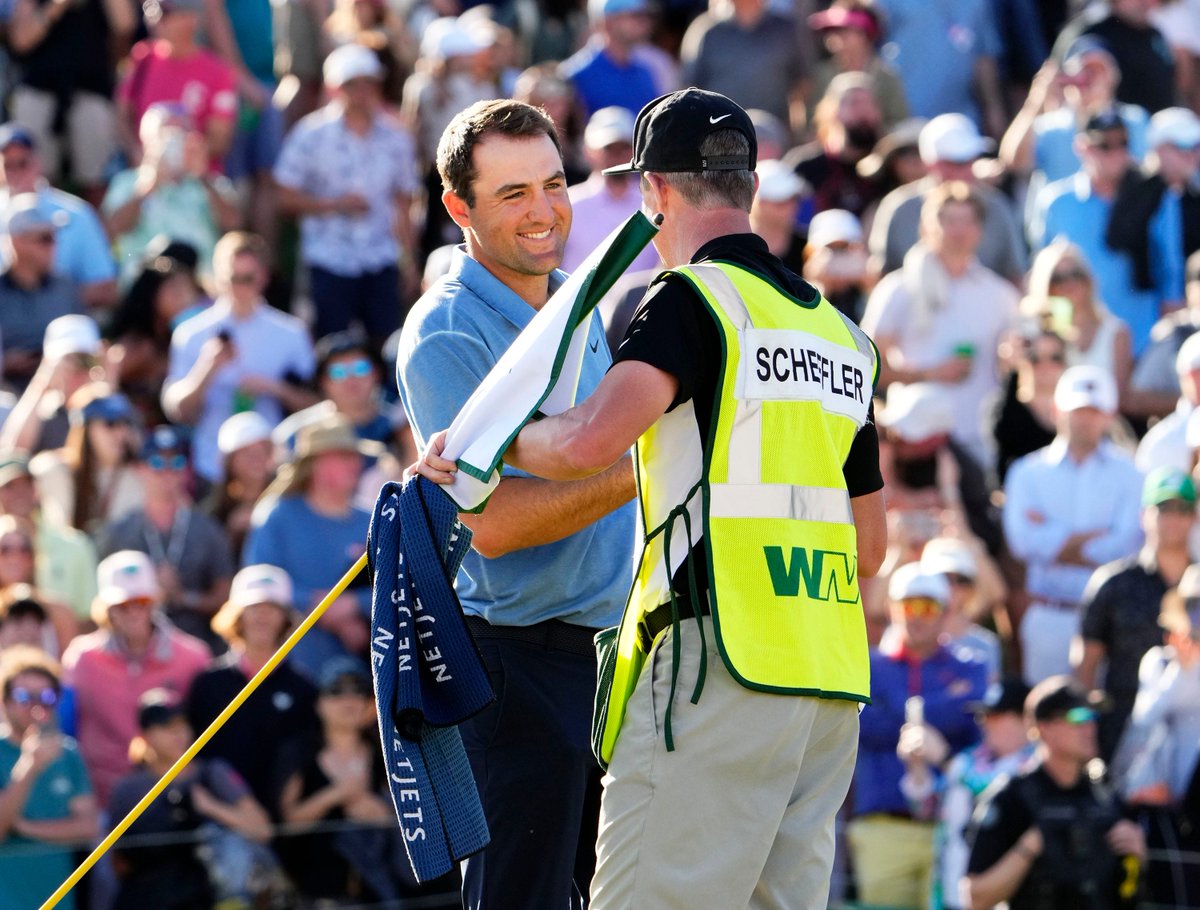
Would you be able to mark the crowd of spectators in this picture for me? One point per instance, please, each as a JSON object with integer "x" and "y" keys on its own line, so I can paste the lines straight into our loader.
{"x": 215, "y": 215}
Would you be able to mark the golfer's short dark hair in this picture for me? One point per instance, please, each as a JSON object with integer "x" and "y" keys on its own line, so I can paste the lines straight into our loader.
{"x": 503, "y": 116}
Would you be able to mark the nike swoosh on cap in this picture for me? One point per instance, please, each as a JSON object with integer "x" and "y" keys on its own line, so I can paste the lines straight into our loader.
{"x": 718, "y": 119}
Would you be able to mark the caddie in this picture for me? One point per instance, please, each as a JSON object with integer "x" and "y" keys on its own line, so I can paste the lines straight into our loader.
{"x": 741, "y": 662}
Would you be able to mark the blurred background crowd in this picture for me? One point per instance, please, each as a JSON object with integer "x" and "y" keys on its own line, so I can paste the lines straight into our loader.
{"x": 216, "y": 214}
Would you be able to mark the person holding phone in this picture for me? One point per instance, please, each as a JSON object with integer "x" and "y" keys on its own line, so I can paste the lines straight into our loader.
{"x": 46, "y": 800}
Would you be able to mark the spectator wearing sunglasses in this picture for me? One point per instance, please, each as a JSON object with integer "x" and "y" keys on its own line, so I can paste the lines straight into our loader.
{"x": 190, "y": 550}
{"x": 133, "y": 650}
{"x": 91, "y": 481}
{"x": 1119, "y": 618}
{"x": 1051, "y": 835}
{"x": 1023, "y": 420}
{"x": 920, "y": 697}
{"x": 348, "y": 378}
{"x": 1066, "y": 298}
{"x": 45, "y": 795}
{"x": 32, "y": 295}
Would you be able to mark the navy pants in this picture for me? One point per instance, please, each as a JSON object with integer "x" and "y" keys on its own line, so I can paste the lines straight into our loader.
{"x": 373, "y": 298}
{"x": 531, "y": 755}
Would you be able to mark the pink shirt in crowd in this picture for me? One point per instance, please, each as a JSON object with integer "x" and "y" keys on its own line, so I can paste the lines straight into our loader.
{"x": 107, "y": 685}
{"x": 203, "y": 83}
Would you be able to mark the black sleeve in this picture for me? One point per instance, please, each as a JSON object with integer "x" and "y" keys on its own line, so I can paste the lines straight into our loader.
{"x": 998, "y": 823}
{"x": 861, "y": 469}
{"x": 672, "y": 331}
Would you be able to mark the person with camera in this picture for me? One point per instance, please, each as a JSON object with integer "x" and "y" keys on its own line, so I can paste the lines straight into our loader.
{"x": 171, "y": 192}
{"x": 1054, "y": 837}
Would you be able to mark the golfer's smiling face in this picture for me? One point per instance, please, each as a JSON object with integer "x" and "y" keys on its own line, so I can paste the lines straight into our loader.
{"x": 521, "y": 217}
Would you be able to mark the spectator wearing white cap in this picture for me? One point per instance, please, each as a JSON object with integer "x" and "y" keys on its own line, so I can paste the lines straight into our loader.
{"x": 348, "y": 171}
{"x": 835, "y": 261}
{"x": 942, "y": 316}
{"x": 255, "y": 620}
{"x": 920, "y": 692}
{"x": 602, "y": 201}
{"x": 950, "y": 146}
{"x": 975, "y": 584}
{"x": 719, "y": 43}
{"x": 1166, "y": 443}
{"x": 247, "y": 466}
{"x": 450, "y": 75}
{"x": 32, "y": 295}
{"x": 70, "y": 355}
{"x": 773, "y": 212}
{"x": 1058, "y": 524}
{"x": 608, "y": 70}
{"x": 928, "y": 474}
{"x": 133, "y": 650}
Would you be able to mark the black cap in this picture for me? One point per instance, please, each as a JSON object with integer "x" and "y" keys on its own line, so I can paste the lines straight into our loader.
{"x": 157, "y": 707}
{"x": 344, "y": 670}
{"x": 1004, "y": 697}
{"x": 1104, "y": 121}
{"x": 1054, "y": 697}
{"x": 669, "y": 130}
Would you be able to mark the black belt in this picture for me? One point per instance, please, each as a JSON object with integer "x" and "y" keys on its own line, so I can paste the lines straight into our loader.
{"x": 552, "y": 633}
{"x": 660, "y": 618}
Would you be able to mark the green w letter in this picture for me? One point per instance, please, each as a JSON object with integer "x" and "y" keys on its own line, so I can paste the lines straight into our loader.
{"x": 824, "y": 579}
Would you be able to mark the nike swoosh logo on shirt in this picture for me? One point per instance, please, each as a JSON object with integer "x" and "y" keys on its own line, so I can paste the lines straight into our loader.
{"x": 718, "y": 119}
{"x": 595, "y": 345}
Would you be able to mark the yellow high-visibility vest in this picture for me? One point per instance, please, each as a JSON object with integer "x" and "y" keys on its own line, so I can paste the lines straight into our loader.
{"x": 767, "y": 495}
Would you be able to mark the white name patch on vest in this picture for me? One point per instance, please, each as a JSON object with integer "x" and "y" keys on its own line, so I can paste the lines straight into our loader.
{"x": 789, "y": 365}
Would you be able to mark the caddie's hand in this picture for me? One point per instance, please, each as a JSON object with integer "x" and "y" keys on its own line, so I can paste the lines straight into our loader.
{"x": 1125, "y": 838}
{"x": 432, "y": 465}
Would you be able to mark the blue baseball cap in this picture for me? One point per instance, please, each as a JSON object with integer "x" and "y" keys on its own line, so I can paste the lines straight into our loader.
{"x": 162, "y": 439}
{"x": 12, "y": 133}
{"x": 111, "y": 408}
{"x": 598, "y": 9}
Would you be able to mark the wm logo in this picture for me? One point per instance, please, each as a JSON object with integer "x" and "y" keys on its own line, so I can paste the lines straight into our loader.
{"x": 826, "y": 574}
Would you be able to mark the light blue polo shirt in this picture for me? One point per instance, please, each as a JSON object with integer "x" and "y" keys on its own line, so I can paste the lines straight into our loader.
{"x": 450, "y": 340}
{"x": 82, "y": 253}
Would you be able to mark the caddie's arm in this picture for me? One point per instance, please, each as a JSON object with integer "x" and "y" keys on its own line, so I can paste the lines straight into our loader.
{"x": 585, "y": 440}
{"x": 438, "y": 376}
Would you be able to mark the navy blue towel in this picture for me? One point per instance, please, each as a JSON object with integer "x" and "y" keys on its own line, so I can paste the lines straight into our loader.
{"x": 427, "y": 672}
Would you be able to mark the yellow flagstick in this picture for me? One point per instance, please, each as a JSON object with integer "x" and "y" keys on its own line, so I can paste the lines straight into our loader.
{"x": 208, "y": 734}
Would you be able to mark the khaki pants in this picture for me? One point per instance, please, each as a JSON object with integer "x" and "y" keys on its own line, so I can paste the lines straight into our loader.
{"x": 741, "y": 814}
{"x": 893, "y": 861}
{"x": 91, "y": 131}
